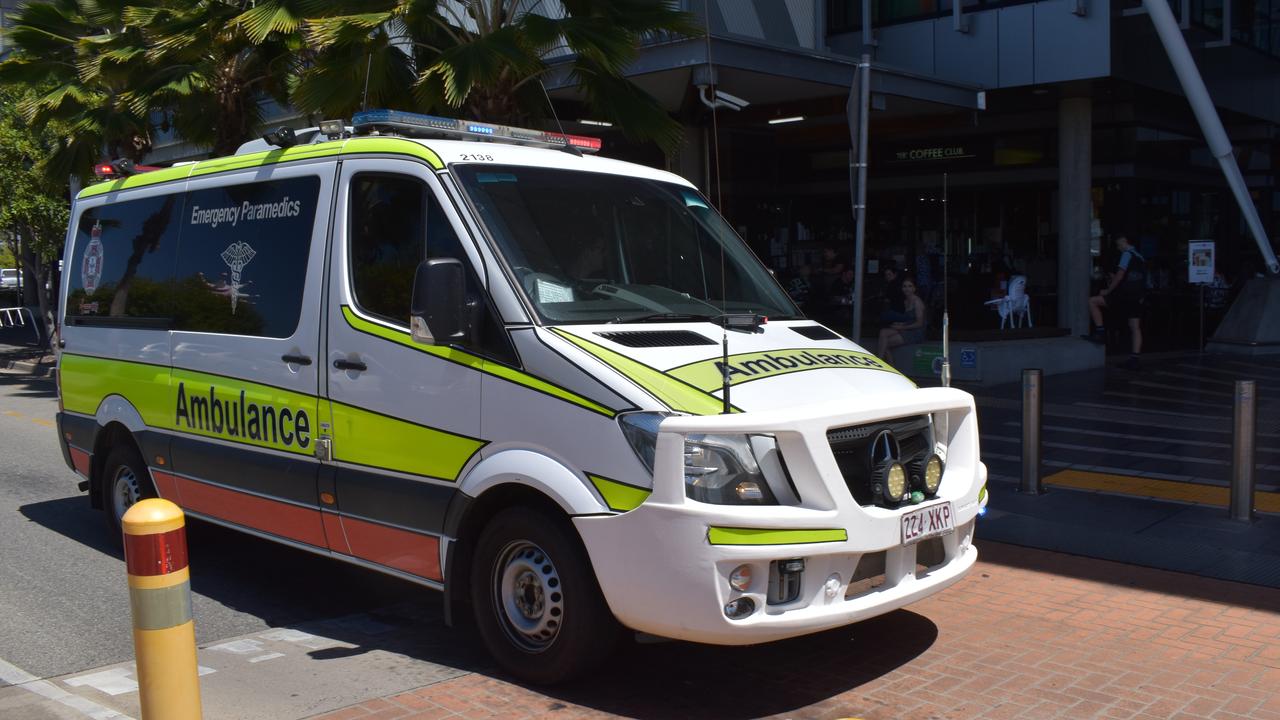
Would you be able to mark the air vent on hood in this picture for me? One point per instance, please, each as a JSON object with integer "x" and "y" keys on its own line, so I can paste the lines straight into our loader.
{"x": 656, "y": 338}
{"x": 815, "y": 332}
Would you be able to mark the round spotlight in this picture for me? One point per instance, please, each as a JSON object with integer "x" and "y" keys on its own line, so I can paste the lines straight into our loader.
{"x": 890, "y": 480}
{"x": 932, "y": 475}
{"x": 740, "y": 608}
{"x": 740, "y": 578}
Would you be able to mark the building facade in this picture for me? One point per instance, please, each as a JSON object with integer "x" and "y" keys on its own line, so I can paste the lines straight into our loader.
{"x": 1049, "y": 127}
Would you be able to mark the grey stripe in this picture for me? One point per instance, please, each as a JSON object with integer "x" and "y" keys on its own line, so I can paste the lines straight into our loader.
{"x": 161, "y": 608}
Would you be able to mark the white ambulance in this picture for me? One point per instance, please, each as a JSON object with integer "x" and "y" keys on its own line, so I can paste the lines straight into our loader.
{"x": 469, "y": 356}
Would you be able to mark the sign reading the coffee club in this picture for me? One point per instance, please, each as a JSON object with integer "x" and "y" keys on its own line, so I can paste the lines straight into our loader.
{"x": 936, "y": 153}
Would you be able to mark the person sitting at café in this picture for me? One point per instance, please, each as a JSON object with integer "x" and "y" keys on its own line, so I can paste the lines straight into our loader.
{"x": 905, "y": 332}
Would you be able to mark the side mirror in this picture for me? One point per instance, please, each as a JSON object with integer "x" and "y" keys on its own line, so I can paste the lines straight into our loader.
{"x": 438, "y": 310}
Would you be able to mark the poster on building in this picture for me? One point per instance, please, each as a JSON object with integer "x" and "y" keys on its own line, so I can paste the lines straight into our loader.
{"x": 1200, "y": 261}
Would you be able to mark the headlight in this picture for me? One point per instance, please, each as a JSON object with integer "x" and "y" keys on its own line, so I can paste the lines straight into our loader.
{"x": 733, "y": 469}
{"x": 722, "y": 470}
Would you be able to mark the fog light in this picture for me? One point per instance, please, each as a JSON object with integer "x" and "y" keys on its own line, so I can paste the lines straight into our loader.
{"x": 832, "y": 586}
{"x": 890, "y": 481}
{"x": 749, "y": 490}
{"x": 740, "y": 608}
{"x": 932, "y": 475}
{"x": 740, "y": 578}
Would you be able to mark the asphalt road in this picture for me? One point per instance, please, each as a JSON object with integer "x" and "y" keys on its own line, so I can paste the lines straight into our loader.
{"x": 64, "y": 603}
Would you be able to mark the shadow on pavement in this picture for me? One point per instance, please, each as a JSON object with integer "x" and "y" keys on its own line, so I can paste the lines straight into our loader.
{"x": 30, "y": 386}
{"x": 368, "y": 611}
{"x": 1164, "y": 582}
{"x": 675, "y": 679}
{"x": 73, "y": 518}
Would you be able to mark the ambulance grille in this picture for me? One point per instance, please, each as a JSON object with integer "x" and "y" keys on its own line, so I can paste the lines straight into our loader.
{"x": 815, "y": 332}
{"x": 852, "y": 449}
{"x": 656, "y": 338}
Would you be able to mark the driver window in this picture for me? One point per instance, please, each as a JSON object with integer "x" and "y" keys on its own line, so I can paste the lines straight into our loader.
{"x": 395, "y": 224}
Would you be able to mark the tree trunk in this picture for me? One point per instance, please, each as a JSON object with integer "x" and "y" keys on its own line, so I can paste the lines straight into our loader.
{"x": 34, "y": 290}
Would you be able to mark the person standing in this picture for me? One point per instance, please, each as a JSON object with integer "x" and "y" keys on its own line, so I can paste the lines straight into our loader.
{"x": 1125, "y": 293}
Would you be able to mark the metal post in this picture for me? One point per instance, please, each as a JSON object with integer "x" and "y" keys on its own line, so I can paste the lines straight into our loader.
{"x": 164, "y": 635}
{"x": 862, "y": 88}
{"x": 1031, "y": 414}
{"x": 1175, "y": 45}
{"x": 1243, "y": 460}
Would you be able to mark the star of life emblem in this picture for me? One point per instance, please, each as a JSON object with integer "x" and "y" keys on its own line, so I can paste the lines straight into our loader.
{"x": 236, "y": 256}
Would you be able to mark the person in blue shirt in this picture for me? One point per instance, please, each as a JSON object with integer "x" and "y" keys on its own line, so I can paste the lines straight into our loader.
{"x": 1125, "y": 294}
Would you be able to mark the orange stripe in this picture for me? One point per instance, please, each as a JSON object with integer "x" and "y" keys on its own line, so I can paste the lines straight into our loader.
{"x": 80, "y": 460}
{"x": 409, "y": 552}
{"x": 155, "y": 554}
{"x": 333, "y": 531}
{"x": 166, "y": 485}
{"x": 278, "y": 518}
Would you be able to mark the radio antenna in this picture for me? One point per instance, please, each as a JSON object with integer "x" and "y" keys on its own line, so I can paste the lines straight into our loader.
{"x": 567, "y": 147}
{"x": 368, "y": 70}
{"x": 946, "y": 320}
{"x": 715, "y": 150}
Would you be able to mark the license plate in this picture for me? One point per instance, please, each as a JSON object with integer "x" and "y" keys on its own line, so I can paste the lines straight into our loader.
{"x": 927, "y": 522}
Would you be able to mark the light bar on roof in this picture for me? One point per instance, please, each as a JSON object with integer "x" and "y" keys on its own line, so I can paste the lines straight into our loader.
{"x": 415, "y": 124}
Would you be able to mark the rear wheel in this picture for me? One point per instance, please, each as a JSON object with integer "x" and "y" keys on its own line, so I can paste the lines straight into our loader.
{"x": 125, "y": 481}
{"x": 537, "y": 605}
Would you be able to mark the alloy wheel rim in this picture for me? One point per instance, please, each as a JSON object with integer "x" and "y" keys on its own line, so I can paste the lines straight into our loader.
{"x": 528, "y": 597}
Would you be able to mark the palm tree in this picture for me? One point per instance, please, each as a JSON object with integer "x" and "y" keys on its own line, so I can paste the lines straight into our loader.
{"x": 76, "y": 57}
{"x": 207, "y": 67}
{"x": 486, "y": 59}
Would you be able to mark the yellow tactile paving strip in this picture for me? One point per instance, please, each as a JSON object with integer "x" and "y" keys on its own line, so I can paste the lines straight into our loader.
{"x": 1162, "y": 489}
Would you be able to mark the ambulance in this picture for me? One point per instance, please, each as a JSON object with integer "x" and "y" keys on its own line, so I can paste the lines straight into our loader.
{"x": 480, "y": 358}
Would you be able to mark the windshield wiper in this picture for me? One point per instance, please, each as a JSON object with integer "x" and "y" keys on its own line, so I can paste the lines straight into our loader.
{"x": 660, "y": 317}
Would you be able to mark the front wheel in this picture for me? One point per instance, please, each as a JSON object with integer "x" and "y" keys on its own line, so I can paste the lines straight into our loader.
{"x": 125, "y": 481}
{"x": 537, "y": 605}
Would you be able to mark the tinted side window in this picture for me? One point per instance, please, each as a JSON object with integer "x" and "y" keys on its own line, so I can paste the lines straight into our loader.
{"x": 396, "y": 223}
{"x": 387, "y": 242}
{"x": 242, "y": 263}
{"x": 123, "y": 260}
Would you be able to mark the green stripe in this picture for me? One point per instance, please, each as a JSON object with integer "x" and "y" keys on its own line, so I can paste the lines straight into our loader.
{"x": 381, "y": 145}
{"x": 619, "y": 496}
{"x": 367, "y": 438}
{"x": 360, "y": 436}
{"x": 769, "y": 536}
{"x": 474, "y": 362}
{"x": 674, "y": 393}
{"x": 745, "y": 367}
{"x": 161, "y": 608}
{"x": 87, "y": 381}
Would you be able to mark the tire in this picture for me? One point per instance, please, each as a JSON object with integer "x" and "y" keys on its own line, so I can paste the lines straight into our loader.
{"x": 537, "y": 605}
{"x": 125, "y": 481}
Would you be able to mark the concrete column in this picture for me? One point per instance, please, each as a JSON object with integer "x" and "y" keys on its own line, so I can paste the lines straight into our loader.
{"x": 689, "y": 161}
{"x": 1075, "y": 180}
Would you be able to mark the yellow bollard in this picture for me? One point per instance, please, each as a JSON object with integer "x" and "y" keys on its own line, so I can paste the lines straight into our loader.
{"x": 164, "y": 635}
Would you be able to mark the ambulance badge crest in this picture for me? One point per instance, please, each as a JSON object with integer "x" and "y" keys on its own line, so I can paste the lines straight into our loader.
{"x": 236, "y": 256}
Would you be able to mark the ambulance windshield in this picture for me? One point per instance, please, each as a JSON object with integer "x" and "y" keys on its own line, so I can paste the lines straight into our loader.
{"x": 595, "y": 248}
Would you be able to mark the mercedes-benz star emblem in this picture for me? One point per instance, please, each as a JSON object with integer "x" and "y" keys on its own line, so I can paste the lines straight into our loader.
{"x": 884, "y": 448}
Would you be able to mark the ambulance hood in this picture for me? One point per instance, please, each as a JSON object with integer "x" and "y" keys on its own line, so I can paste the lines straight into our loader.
{"x": 788, "y": 363}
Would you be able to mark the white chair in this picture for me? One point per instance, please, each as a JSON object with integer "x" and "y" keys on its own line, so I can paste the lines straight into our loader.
{"x": 1015, "y": 305}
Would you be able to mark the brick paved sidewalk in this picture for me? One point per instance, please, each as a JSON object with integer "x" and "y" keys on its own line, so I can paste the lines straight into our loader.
{"x": 1029, "y": 634}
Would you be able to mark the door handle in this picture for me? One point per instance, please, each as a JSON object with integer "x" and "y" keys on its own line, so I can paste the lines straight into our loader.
{"x": 350, "y": 365}
{"x": 296, "y": 359}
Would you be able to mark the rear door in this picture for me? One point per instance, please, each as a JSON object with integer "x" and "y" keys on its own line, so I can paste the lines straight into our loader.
{"x": 246, "y": 352}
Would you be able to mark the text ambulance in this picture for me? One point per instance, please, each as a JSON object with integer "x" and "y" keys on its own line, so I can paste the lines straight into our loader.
{"x": 539, "y": 381}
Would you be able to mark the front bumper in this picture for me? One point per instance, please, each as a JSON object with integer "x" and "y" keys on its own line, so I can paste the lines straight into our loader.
{"x": 664, "y": 570}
